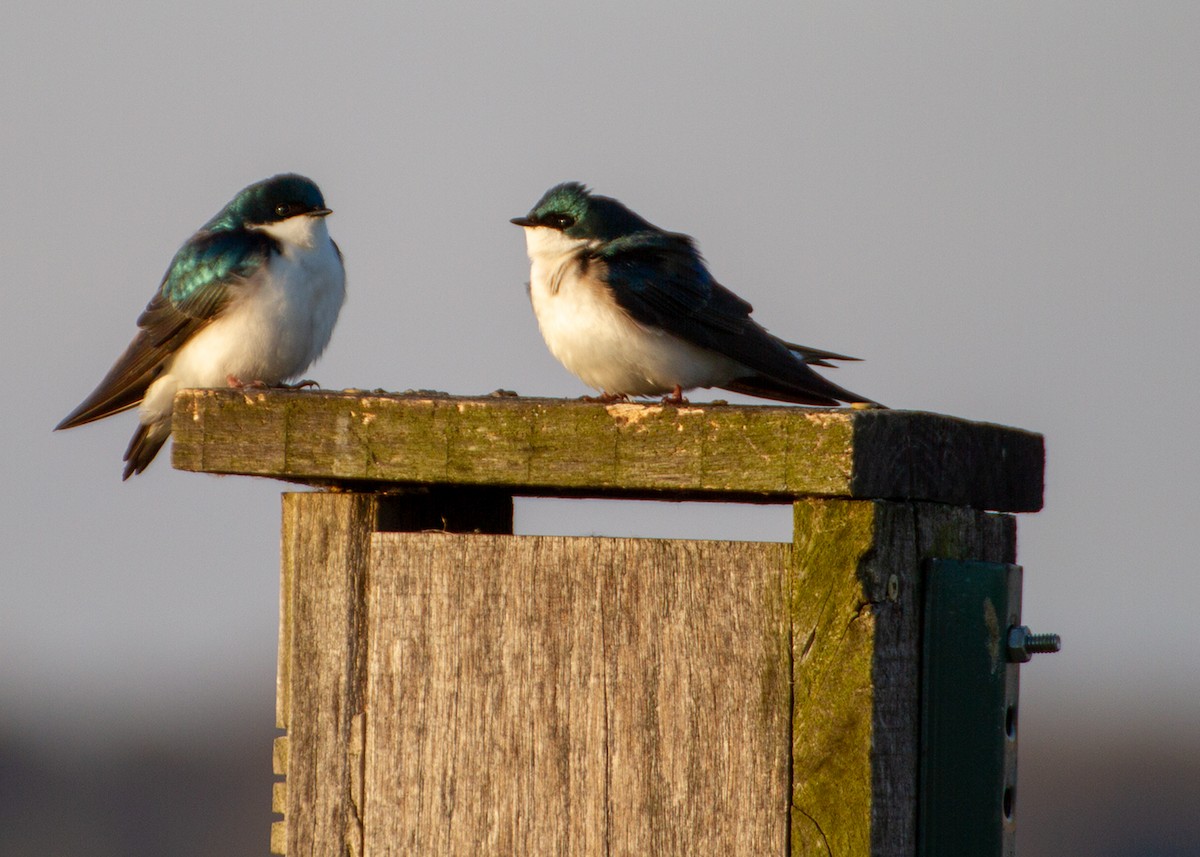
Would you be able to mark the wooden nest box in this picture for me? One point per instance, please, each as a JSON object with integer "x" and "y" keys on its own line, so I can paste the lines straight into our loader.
{"x": 449, "y": 688}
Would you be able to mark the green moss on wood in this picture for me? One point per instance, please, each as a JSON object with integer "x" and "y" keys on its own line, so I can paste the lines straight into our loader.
{"x": 834, "y": 656}
{"x": 555, "y": 447}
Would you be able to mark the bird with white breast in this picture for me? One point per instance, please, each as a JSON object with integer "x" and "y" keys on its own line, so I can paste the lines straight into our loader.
{"x": 632, "y": 310}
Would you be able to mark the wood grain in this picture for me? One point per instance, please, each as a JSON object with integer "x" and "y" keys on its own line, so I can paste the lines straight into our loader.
{"x": 532, "y": 695}
{"x": 322, "y": 659}
{"x": 551, "y": 447}
{"x": 856, "y": 644}
{"x": 481, "y": 694}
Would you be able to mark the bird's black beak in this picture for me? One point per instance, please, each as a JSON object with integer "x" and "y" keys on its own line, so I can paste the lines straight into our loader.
{"x": 321, "y": 212}
{"x": 524, "y": 221}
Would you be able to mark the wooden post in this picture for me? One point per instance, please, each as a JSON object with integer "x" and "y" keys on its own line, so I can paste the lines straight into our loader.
{"x": 449, "y": 688}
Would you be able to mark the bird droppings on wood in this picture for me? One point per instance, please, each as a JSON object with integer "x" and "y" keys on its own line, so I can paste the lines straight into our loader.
{"x": 631, "y": 413}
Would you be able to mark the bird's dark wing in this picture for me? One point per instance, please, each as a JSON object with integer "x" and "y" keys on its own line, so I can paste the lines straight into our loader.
{"x": 203, "y": 278}
{"x": 661, "y": 281}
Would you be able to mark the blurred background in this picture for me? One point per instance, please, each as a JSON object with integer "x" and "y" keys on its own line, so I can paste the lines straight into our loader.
{"x": 996, "y": 205}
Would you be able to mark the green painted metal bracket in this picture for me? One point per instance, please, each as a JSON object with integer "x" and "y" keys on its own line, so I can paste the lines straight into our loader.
{"x": 969, "y": 710}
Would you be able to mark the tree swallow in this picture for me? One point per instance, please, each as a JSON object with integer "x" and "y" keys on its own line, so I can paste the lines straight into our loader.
{"x": 633, "y": 310}
{"x": 249, "y": 300}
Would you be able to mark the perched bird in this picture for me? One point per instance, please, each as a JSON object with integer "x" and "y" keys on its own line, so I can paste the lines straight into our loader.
{"x": 249, "y": 300}
{"x": 633, "y": 310}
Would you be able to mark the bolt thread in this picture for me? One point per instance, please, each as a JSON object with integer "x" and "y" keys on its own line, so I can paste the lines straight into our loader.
{"x": 1039, "y": 643}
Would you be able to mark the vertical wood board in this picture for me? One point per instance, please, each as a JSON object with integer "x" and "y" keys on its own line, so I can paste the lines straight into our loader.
{"x": 531, "y": 695}
{"x": 326, "y": 542}
{"x": 856, "y": 643}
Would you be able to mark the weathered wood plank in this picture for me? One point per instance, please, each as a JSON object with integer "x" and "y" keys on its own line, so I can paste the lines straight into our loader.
{"x": 279, "y": 755}
{"x": 279, "y": 796}
{"x": 856, "y": 645}
{"x": 278, "y": 837}
{"x": 531, "y": 695}
{"x": 326, "y": 544}
{"x": 322, "y": 643}
{"x": 551, "y": 447}
{"x": 908, "y": 455}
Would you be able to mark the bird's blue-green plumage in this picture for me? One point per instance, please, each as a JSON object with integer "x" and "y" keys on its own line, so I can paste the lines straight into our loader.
{"x": 197, "y": 283}
{"x": 261, "y": 203}
{"x": 594, "y": 216}
{"x": 197, "y": 287}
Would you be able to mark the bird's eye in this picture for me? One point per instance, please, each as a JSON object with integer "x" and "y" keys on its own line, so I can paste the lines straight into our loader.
{"x": 283, "y": 209}
{"x": 560, "y": 221}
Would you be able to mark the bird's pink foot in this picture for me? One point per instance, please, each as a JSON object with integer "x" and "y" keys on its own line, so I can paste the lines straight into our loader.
{"x": 675, "y": 397}
{"x": 237, "y": 383}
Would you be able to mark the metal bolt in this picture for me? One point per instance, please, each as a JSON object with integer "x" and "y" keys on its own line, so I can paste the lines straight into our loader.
{"x": 1023, "y": 644}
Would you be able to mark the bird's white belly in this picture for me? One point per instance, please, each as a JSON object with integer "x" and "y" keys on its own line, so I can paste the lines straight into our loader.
{"x": 596, "y": 340}
{"x": 272, "y": 332}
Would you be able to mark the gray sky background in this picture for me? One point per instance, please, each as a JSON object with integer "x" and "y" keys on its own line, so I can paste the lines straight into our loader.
{"x": 996, "y": 205}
